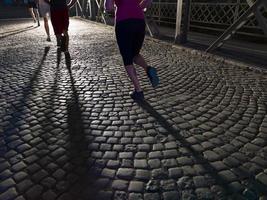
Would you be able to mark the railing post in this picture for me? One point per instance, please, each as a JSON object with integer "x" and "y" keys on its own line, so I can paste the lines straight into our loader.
{"x": 159, "y": 11}
{"x": 93, "y": 9}
{"x": 76, "y": 10}
{"x": 178, "y": 20}
{"x": 185, "y": 27}
{"x": 182, "y": 21}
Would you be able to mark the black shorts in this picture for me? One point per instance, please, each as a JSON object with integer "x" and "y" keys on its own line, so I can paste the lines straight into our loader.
{"x": 32, "y": 5}
{"x": 130, "y": 36}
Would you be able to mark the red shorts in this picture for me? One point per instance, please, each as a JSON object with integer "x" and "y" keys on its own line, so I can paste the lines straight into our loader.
{"x": 60, "y": 20}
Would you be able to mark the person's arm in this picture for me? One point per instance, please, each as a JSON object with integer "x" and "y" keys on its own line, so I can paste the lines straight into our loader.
{"x": 145, "y": 3}
{"x": 71, "y": 3}
{"x": 109, "y": 5}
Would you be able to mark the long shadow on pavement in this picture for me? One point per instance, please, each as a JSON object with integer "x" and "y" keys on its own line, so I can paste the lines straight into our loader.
{"x": 74, "y": 113}
{"x": 254, "y": 186}
{"x": 17, "y": 113}
{"x": 78, "y": 148}
{"x": 15, "y": 32}
{"x": 18, "y": 107}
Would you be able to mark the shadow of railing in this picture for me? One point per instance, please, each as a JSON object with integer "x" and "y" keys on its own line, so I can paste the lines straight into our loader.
{"x": 254, "y": 186}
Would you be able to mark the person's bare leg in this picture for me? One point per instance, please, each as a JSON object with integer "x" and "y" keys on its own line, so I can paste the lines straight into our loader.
{"x": 37, "y": 16}
{"x": 139, "y": 60}
{"x": 133, "y": 76}
{"x": 32, "y": 14}
{"x": 46, "y": 26}
{"x": 151, "y": 71}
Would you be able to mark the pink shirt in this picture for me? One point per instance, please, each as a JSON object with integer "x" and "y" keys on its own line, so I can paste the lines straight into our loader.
{"x": 128, "y": 9}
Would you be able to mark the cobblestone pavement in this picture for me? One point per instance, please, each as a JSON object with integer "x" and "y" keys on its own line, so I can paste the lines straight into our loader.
{"x": 70, "y": 131}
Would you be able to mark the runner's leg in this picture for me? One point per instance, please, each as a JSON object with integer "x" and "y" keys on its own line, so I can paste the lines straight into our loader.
{"x": 32, "y": 14}
{"x": 46, "y": 25}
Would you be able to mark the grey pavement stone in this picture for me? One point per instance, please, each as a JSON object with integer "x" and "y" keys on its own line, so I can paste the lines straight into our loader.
{"x": 204, "y": 193}
{"x": 34, "y": 192}
{"x": 168, "y": 185}
{"x": 155, "y": 155}
{"x": 7, "y": 173}
{"x": 48, "y": 182}
{"x": 159, "y": 173}
{"x": 260, "y": 161}
{"x": 114, "y": 164}
{"x": 9, "y": 194}
{"x": 185, "y": 182}
{"x": 141, "y": 164}
{"x": 262, "y": 177}
{"x": 130, "y": 148}
{"x": 158, "y": 147}
{"x": 105, "y": 147}
{"x": 120, "y": 195}
{"x": 120, "y": 184}
{"x": 135, "y": 196}
{"x": 109, "y": 173}
{"x": 175, "y": 172}
{"x": 141, "y": 155}
{"x": 110, "y": 155}
{"x": 151, "y": 196}
{"x": 185, "y": 161}
{"x": 141, "y": 174}
{"x": 170, "y": 153}
{"x": 169, "y": 162}
{"x": 143, "y": 147}
{"x": 171, "y": 195}
{"x": 153, "y": 186}
{"x": 200, "y": 169}
{"x": 118, "y": 147}
{"x": 231, "y": 162}
{"x": 125, "y": 173}
{"x": 188, "y": 170}
{"x": 126, "y": 155}
{"x": 200, "y": 181}
{"x": 38, "y": 176}
{"x": 8, "y": 183}
{"x": 227, "y": 175}
{"x": 154, "y": 163}
{"x": 49, "y": 195}
{"x": 20, "y": 176}
{"x": 236, "y": 187}
{"x": 136, "y": 186}
{"x": 211, "y": 155}
{"x": 127, "y": 163}
{"x": 19, "y": 166}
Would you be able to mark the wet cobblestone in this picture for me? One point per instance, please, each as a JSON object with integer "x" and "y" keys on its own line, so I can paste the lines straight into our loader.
{"x": 69, "y": 130}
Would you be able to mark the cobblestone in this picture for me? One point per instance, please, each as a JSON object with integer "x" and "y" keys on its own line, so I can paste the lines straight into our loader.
{"x": 136, "y": 186}
{"x": 69, "y": 130}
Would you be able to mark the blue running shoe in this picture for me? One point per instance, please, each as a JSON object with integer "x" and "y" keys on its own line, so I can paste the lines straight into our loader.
{"x": 153, "y": 76}
{"x": 137, "y": 96}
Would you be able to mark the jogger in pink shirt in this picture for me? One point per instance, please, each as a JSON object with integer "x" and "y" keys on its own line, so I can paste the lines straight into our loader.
{"x": 130, "y": 33}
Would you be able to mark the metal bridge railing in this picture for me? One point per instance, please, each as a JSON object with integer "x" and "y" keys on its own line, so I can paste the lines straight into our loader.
{"x": 204, "y": 16}
{"x": 207, "y": 16}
